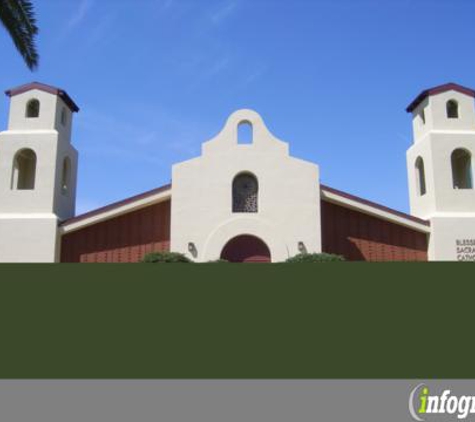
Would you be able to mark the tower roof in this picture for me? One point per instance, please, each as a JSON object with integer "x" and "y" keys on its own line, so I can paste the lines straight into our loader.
{"x": 437, "y": 90}
{"x": 46, "y": 88}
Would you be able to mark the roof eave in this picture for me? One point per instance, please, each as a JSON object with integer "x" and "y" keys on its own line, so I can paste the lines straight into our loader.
{"x": 438, "y": 90}
{"x": 61, "y": 93}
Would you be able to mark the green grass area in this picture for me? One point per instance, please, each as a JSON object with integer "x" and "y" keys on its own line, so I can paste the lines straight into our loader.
{"x": 333, "y": 320}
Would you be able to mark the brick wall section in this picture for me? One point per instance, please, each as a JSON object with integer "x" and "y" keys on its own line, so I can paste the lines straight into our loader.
{"x": 122, "y": 239}
{"x": 360, "y": 237}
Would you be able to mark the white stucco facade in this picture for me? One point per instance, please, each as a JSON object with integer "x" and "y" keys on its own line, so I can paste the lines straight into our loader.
{"x": 29, "y": 214}
{"x": 450, "y": 208}
{"x": 282, "y": 205}
{"x": 202, "y": 213}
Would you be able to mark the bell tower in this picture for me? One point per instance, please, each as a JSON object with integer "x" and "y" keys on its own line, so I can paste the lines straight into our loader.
{"x": 38, "y": 167}
{"x": 440, "y": 166}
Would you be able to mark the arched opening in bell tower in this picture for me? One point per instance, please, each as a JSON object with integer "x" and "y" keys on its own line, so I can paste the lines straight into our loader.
{"x": 462, "y": 169}
{"x": 32, "y": 108}
{"x": 24, "y": 170}
{"x": 452, "y": 109}
{"x": 420, "y": 177}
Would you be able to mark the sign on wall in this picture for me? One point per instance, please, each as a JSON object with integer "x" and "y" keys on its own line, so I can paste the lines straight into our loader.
{"x": 465, "y": 249}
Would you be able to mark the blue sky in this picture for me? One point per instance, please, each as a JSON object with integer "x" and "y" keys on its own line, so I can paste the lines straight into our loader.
{"x": 156, "y": 78}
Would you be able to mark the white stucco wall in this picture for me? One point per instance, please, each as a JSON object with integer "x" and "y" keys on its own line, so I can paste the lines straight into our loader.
{"x": 28, "y": 238}
{"x": 50, "y": 113}
{"x": 452, "y": 238}
{"x": 288, "y": 201}
{"x": 29, "y": 218}
{"x": 434, "y": 107}
{"x": 450, "y": 211}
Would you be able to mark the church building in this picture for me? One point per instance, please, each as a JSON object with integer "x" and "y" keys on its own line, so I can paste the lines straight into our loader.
{"x": 240, "y": 201}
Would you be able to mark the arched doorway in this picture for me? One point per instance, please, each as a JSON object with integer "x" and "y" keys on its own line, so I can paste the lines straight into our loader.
{"x": 246, "y": 248}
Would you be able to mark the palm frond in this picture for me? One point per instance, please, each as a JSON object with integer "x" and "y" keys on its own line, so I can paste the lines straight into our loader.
{"x": 18, "y": 18}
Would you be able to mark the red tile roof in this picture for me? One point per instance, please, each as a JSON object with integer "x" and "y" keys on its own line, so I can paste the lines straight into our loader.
{"x": 46, "y": 88}
{"x": 437, "y": 90}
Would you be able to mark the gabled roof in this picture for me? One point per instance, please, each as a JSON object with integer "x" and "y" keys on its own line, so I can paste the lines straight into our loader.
{"x": 46, "y": 88}
{"x": 117, "y": 208}
{"x": 165, "y": 192}
{"x": 438, "y": 90}
{"x": 347, "y": 200}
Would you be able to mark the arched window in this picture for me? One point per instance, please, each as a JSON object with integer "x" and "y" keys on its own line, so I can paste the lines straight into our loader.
{"x": 423, "y": 117}
{"x": 462, "y": 169}
{"x": 24, "y": 170}
{"x": 245, "y": 193}
{"x": 452, "y": 109}
{"x": 66, "y": 176}
{"x": 64, "y": 116}
{"x": 245, "y": 133}
{"x": 33, "y": 108}
{"x": 420, "y": 176}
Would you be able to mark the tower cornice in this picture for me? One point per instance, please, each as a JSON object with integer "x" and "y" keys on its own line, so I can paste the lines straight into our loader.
{"x": 438, "y": 90}
{"x": 46, "y": 88}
